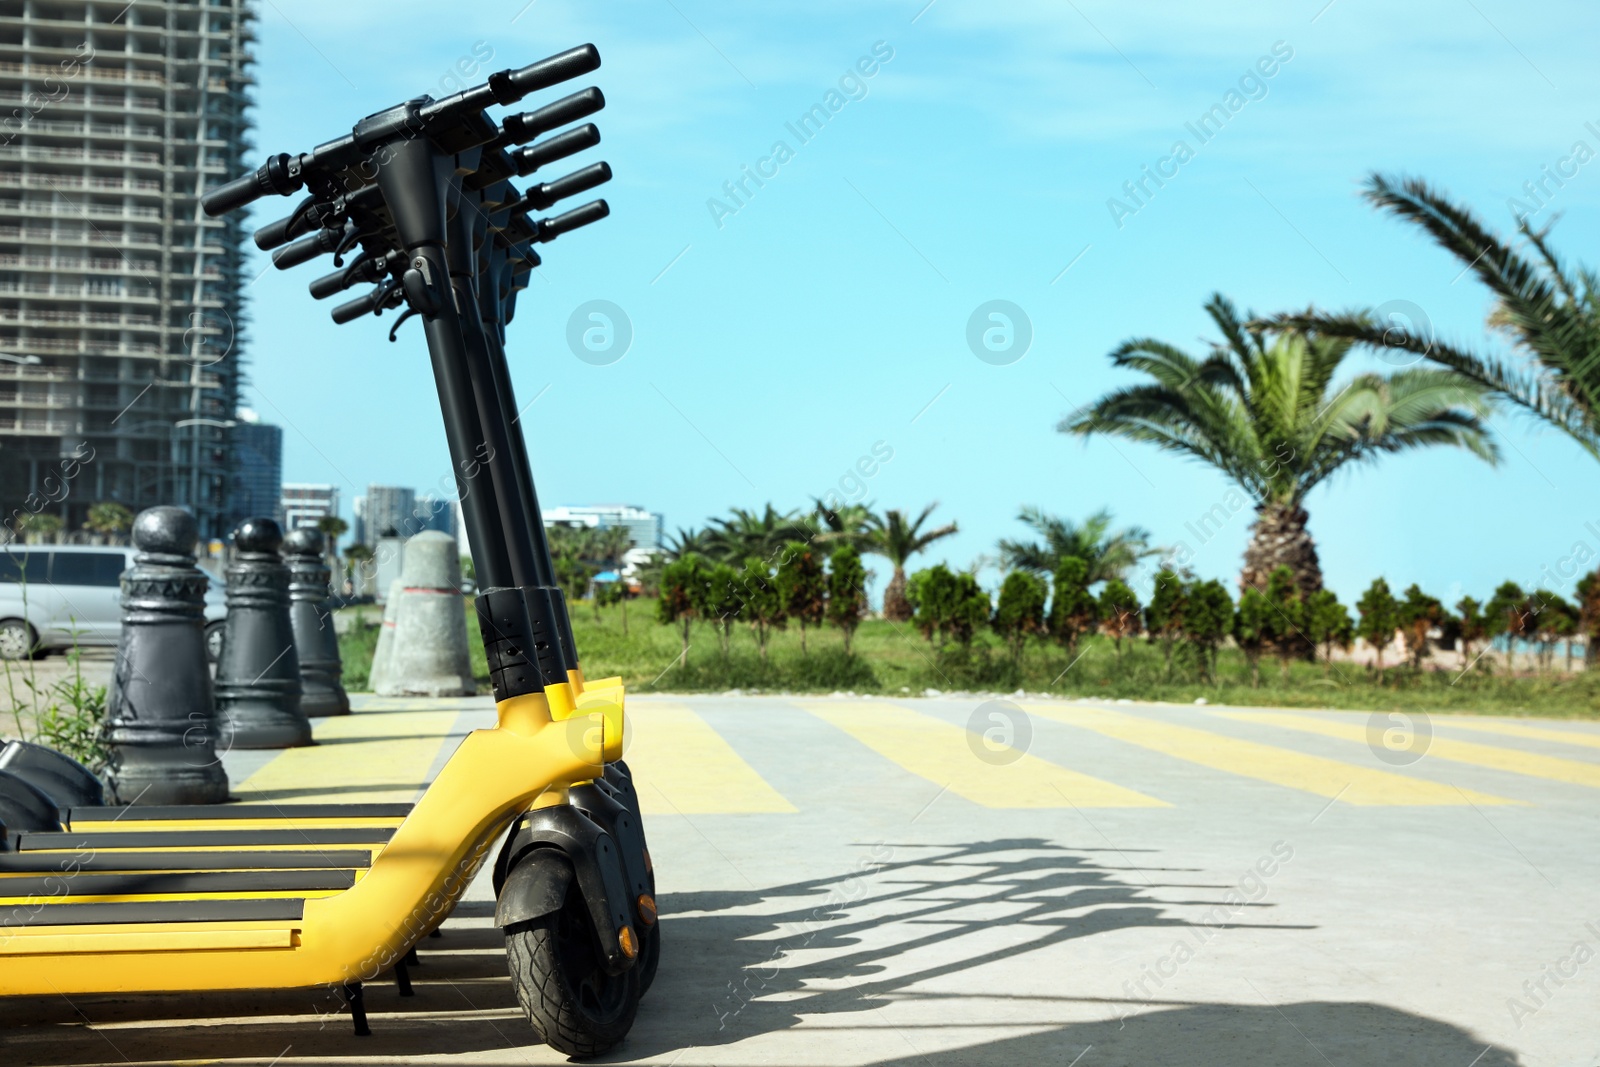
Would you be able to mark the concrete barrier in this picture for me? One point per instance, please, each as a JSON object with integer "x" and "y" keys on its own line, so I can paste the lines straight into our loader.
{"x": 381, "y": 655}
{"x": 429, "y": 654}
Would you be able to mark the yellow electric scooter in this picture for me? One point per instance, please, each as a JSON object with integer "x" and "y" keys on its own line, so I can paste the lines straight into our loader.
{"x": 122, "y": 900}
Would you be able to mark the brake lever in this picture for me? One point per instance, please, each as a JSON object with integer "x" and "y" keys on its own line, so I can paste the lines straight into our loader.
{"x": 394, "y": 331}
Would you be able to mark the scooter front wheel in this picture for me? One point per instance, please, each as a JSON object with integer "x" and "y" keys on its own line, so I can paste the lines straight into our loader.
{"x": 567, "y": 995}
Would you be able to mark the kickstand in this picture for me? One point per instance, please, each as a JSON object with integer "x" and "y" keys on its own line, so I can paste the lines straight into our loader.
{"x": 358, "y": 1008}
{"x": 411, "y": 957}
{"x": 435, "y": 932}
{"x": 402, "y": 978}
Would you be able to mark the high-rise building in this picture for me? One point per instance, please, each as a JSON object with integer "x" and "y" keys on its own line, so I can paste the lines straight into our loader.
{"x": 258, "y": 476}
{"x": 303, "y": 503}
{"x": 436, "y": 513}
{"x": 390, "y": 511}
{"x": 121, "y": 317}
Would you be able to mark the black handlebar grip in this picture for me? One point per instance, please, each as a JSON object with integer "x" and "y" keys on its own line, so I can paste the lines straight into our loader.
{"x": 556, "y": 69}
{"x": 364, "y": 269}
{"x": 298, "y": 222}
{"x": 525, "y": 127}
{"x": 550, "y": 229}
{"x": 361, "y": 305}
{"x": 307, "y": 248}
{"x": 579, "y": 181}
{"x": 560, "y": 146}
{"x": 273, "y": 176}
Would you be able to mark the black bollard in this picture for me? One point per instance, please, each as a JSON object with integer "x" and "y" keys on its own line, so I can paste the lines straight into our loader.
{"x": 315, "y": 641}
{"x": 161, "y": 717}
{"x": 258, "y": 677}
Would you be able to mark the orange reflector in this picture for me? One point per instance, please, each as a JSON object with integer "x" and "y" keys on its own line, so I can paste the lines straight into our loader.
{"x": 647, "y": 909}
{"x": 649, "y": 867}
{"x": 630, "y": 947}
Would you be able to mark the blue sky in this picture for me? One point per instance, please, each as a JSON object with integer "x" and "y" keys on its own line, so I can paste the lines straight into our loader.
{"x": 775, "y": 345}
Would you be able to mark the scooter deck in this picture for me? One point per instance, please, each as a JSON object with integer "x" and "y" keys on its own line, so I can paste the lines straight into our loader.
{"x": 187, "y": 864}
{"x": 278, "y": 896}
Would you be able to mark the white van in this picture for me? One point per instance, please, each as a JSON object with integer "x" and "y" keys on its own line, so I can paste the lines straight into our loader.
{"x": 59, "y": 596}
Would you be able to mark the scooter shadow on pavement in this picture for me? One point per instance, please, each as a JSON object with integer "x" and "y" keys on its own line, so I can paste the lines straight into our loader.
{"x": 738, "y": 967}
{"x": 732, "y": 971}
{"x": 1303, "y": 1034}
{"x": 723, "y": 954}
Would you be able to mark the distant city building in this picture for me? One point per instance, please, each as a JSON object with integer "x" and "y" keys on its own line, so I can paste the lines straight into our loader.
{"x": 304, "y": 503}
{"x": 358, "y": 521}
{"x": 388, "y": 511}
{"x": 647, "y": 528}
{"x": 437, "y": 514}
{"x": 258, "y": 473}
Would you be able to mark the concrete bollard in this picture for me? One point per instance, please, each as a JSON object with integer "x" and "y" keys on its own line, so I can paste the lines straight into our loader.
{"x": 161, "y": 715}
{"x": 258, "y": 677}
{"x": 311, "y": 618}
{"x": 384, "y": 652}
{"x": 429, "y": 653}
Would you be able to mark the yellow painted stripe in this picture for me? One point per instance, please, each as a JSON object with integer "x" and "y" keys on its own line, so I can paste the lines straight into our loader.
{"x": 115, "y": 825}
{"x": 942, "y": 753}
{"x": 1350, "y": 783}
{"x": 369, "y": 757}
{"x": 1532, "y": 764}
{"x": 1537, "y": 733}
{"x": 344, "y": 846}
{"x": 681, "y": 766}
{"x": 103, "y": 940}
{"x": 148, "y": 898}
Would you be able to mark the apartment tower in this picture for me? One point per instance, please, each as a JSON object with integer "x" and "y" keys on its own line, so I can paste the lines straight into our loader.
{"x": 121, "y": 322}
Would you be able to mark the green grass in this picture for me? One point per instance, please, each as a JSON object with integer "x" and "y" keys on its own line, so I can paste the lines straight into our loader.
{"x": 892, "y": 659}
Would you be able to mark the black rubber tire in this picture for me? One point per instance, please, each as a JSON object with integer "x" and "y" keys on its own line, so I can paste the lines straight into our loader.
{"x": 649, "y": 958}
{"x": 214, "y": 631}
{"x": 570, "y": 1001}
{"x": 19, "y": 641}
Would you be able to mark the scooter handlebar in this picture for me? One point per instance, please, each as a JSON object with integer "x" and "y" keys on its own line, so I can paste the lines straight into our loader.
{"x": 560, "y": 146}
{"x": 543, "y": 196}
{"x": 550, "y": 229}
{"x": 362, "y": 305}
{"x": 556, "y": 69}
{"x": 516, "y": 129}
{"x": 308, "y": 248}
{"x": 365, "y": 268}
{"x": 273, "y": 176}
{"x": 509, "y": 86}
{"x": 297, "y": 223}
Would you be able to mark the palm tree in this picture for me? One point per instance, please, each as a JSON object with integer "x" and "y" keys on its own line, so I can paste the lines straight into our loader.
{"x": 332, "y": 528}
{"x": 897, "y": 539}
{"x": 734, "y": 540}
{"x": 686, "y": 542}
{"x": 358, "y": 556}
{"x": 1550, "y": 312}
{"x": 608, "y": 545}
{"x": 110, "y": 518}
{"x": 40, "y": 527}
{"x": 1262, "y": 408}
{"x": 845, "y": 525}
{"x": 1109, "y": 554}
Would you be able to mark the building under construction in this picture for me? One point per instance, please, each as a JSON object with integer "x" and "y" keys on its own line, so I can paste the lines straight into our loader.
{"x": 120, "y": 301}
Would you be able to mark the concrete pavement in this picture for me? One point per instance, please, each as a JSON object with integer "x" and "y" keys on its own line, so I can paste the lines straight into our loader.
{"x": 952, "y": 882}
